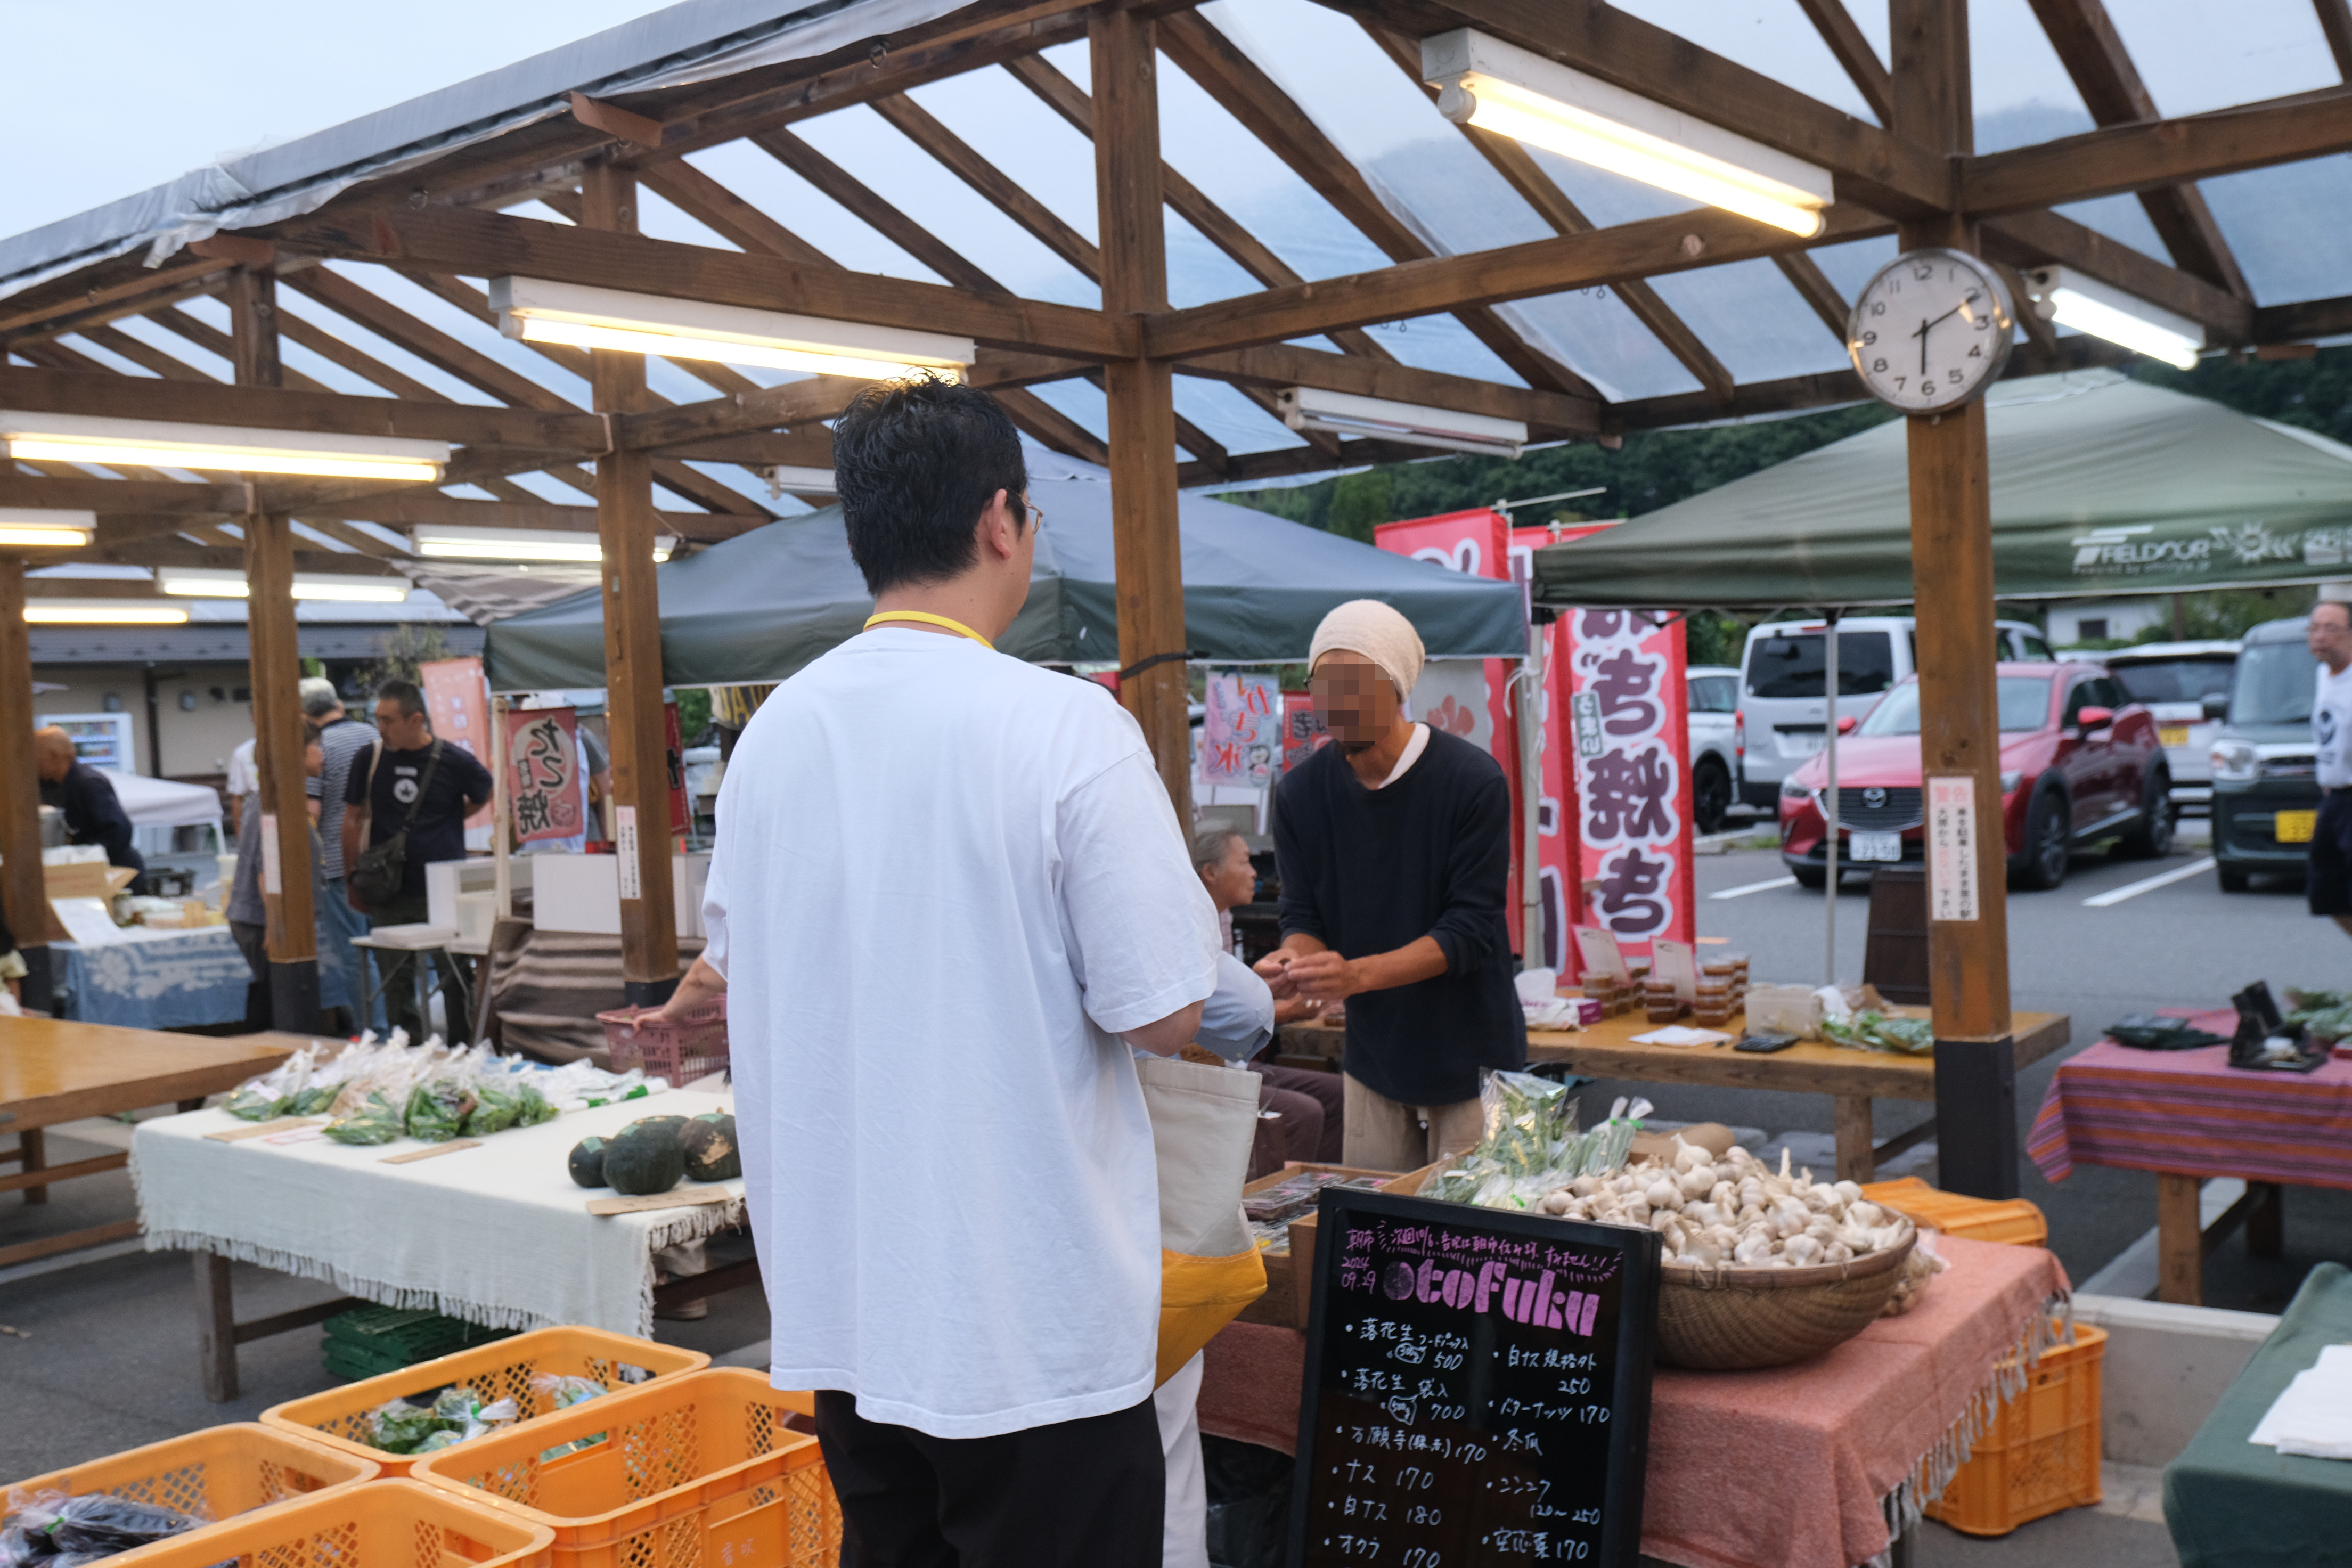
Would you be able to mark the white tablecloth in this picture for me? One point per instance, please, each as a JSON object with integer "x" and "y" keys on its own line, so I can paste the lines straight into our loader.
{"x": 497, "y": 1235}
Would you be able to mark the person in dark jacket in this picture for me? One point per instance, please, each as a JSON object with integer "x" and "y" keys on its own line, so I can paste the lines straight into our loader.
{"x": 1393, "y": 845}
{"x": 93, "y": 815}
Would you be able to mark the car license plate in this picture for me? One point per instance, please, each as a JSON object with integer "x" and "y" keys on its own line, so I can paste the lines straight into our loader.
{"x": 2172, "y": 734}
{"x": 2293, "y": 826}
{"x": 1799, "y": 744}
{"x": 1874, "y": 846}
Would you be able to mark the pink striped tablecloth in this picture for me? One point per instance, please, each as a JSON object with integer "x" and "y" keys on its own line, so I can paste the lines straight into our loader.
{"x": 2190, "y": 1114}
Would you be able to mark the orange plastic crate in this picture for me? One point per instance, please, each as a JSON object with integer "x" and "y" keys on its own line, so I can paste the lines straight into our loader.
{"x": 2042, "y": 1452}
{"x": 219, "y": 1474}
{"x": 689, "y": 1472}
{"x": 385, "y": 1524}
{"x": 2014, "y": 1220}
{"x": 501, "y": 1369}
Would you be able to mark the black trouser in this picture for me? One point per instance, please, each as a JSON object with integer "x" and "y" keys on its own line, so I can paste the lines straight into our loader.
{"x": 1077, "y": 1494}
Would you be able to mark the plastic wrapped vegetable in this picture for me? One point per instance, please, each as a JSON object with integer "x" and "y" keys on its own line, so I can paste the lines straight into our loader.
{"x": 275, "y": 1092}
{"x": 561, "y": 1392}
{"x": 375, "y": 1120}
{"x": 438, "y": 1107}
{"x": 398, "y": 1426}
{"x": 447, "y": 1438}
{"x": 496, "y": 1107}
{"x": 20, "y": 1548}
{"x": 98, "y": 1523}
{"x": 534, "y": 1107}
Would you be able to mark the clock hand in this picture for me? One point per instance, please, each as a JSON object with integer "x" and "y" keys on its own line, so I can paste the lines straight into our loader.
{"x": 1921, "y": 335}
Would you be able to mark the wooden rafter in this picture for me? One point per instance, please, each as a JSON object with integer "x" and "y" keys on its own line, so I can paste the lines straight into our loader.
{"x": 2029, "y": 238}
{"x": 999, "y": 189}
{"x": 2335, "y": 22}
{"x": 877, "y": 214}
{"x": 1539, "y": 190}
{"x": 1854, "y": 55}
{"x": 1252, "y": 97}
{"x": 1806, "y": 275}
{"x": 2120, "y": 160}
{"x": 2298, "y": 322}
{"x": 2094, "y": 55}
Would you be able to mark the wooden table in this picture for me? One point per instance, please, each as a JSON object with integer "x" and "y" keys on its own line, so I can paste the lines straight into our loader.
{"x": 1849, "y": 1075}
{"x": 52, "y": 1071}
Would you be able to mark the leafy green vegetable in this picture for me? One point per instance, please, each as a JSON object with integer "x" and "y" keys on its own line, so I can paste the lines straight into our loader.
{"x": 1884, "y": 1032}
{"x": 375, "y": 1120}
{"x": 495, "y": 1111}
{"x": 256, "y": 1103}
{"x": 438, "y": 1108}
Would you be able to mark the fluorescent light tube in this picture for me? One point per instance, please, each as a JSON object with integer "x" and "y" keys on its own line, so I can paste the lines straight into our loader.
{"x": 2087, "y": 305}
{"x": 534, "y": 311}
{"x": 1501, "y": 88}
{"x": 202, "y": 583}
{"x": 519, "y": 544}
{"x": 101, "y": 613}
{"x": 1345, "y": 414}
{"x": 44, "y": 528}
{"x": 168, "y": 444}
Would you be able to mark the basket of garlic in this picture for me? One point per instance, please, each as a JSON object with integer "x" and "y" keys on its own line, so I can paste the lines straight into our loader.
{"x": 1762, "y": 1268}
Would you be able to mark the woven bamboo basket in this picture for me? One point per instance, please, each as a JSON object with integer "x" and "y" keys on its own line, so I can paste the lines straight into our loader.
{"x": 1737, "y": 1320}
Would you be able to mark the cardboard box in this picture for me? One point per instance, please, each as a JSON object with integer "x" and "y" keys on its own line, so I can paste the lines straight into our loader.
{"x": 87, "y": 879}
{"x": 1289, "y": 1289}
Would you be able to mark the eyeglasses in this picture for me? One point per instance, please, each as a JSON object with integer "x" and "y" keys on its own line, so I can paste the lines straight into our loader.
{"x": 1036, "y": 513}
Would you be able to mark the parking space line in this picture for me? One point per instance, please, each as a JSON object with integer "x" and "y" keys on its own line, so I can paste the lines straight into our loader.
{"x": 2134, "y": 889}
{"x": 1755, "y": 888}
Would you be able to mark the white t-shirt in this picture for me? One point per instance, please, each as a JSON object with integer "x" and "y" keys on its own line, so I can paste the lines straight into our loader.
{"x": 244, "y": 777}
{"x": 945, "y": 880}
{"x": 2331, "y": 728}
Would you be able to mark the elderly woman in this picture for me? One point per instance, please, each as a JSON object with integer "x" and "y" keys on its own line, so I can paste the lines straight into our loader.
{"x": 1310, "y": 1103}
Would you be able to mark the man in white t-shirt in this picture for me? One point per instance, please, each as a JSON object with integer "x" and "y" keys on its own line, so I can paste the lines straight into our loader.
{"x": 948, "y": 893}
{"x": 2330, "y": 882}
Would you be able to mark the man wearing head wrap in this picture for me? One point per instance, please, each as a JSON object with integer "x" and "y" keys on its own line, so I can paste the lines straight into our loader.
{"x": 1393, "y": 845}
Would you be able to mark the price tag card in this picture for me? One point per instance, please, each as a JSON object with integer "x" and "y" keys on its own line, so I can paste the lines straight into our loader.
{"x": 1597, "y": 946}
{"x": 1477, "y": 1388}
{"x": 1673, "y": 960}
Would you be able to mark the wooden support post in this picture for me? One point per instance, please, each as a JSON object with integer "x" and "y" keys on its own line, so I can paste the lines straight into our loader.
{"x": 2179, "y": 1241}
{"x": 633, "y": 656}
{"x": 277, "y": 663}
{"x": 215, "y": 1325}
{"x": 1146, "y": 546}
{"x": 1952, "y": 576}
{"x": 1857, "y": 1150}
{"x": 24, "y": 893}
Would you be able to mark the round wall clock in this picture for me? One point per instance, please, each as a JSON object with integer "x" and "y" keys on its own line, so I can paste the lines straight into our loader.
{"x": 1932, "y": 330}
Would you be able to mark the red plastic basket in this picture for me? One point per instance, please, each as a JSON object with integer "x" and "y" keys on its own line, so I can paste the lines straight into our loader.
{"x": 693, "y": 1047}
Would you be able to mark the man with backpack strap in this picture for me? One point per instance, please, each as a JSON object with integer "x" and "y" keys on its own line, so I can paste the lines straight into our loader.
{"x": 408, "y": 802}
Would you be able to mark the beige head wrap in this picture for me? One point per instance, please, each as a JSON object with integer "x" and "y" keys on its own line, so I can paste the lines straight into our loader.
{"x": 1378, "y": 632}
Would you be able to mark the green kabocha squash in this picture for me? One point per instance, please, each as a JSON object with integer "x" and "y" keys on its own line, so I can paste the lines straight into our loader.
{"x": 588, "y": 1161}
{"x": 710, "y": 1153}
{"x": 644, "y": 1158}
{"x": 673, "y": 1124}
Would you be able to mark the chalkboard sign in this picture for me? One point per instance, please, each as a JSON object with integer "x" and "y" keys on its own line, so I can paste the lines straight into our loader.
{"x": 1477, "y": 1388}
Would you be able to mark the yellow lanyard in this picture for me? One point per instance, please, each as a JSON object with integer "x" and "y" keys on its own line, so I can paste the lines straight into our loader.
{"x": 930, "y": 620}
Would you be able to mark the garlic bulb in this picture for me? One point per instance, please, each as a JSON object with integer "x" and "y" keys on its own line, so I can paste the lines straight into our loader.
{"x": 1664, "y": 1195}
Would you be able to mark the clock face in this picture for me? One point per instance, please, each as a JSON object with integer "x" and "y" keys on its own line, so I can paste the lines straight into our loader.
{"x": 1931, "y": 331}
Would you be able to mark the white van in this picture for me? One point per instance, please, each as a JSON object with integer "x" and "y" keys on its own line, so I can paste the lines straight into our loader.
{"x": 1782, "y": 709}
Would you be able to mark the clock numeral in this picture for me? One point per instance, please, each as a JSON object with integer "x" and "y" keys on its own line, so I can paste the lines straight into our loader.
{"x": 1981, "y": 322}
{"x": 1898, "y": 380}
{"x": 1924, "y": 272}
{"x": 1977, "y": 353}
{"x": 1957, "y": 378}
{"x": 1879, "y": 307}
{"x": 1869, "y": 338}
{"x": 1878, "y": 365}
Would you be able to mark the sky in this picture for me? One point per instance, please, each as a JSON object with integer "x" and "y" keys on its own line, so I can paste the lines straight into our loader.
{"x": 107, "y": 98}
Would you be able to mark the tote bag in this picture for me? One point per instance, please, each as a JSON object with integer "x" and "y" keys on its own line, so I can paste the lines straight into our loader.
{"x": 1204, "y": 1119}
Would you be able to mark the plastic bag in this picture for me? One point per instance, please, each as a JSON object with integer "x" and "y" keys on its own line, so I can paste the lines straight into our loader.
{"x": 274, "y": 1093}
{"x": 98, "y": 1523}
{"x": 398, "y": 1426}
{"x": 1884, "y": 1032}
{"x": 560, "y": 1392}
{"x": 447, "y": 1438}
{"x": 496, "y": 1107}
{"x": 437, "y": 1107}
{"x": 375, "y": 1120}
{"x": 20, "y": 1547}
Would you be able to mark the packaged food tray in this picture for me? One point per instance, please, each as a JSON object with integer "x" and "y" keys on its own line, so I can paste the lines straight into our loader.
{"x": 219, "y": 1474}
{"x": 687, "y": 1472}
{"x": 502, "y": 1369}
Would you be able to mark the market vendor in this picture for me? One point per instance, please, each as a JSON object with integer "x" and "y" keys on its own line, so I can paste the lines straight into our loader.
{"x": 1393, "y": 845}
{"x": 949, "y": 892}
{"x": 1310, "y": 1104}
{"x": 93, "y": 814}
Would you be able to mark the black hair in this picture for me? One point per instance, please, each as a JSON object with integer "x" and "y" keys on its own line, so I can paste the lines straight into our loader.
{"x": 915, "y": 462}
{"x": 405, "y": 693}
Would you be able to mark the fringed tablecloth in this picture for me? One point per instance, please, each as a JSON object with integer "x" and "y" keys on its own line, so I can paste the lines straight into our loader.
{"x": 1811, "y": 1466}
{"x": 497, "y": 1235}
{"x": 2192, "y": 1114}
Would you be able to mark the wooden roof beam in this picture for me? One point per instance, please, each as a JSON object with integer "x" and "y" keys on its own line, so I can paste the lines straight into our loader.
{"x": 999, "y": 189}
{"x": 1679, "y": 243}
{"x": 1250, "y": 96}
{"x": 2127, "y": 159}
{"x": 2033, "y": 238}
{"x": 870, "y": 208}
{"x": 1280, "y": 364}
{"x": 1052, "y": 427}
{"x": 2335, "y": 22}
{"x": 1539, "y": 190}
{"x": 1854, "y": 54}
{"x": 2306, "y": 319}
{"x": 2094, "y": 55}
{"x": 142, "y": 294}
{"x": 1806, "y": 275}
{"x": 492, "y": 245}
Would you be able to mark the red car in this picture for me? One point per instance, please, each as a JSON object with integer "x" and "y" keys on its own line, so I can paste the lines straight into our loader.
{"x": 2079, "y": 762}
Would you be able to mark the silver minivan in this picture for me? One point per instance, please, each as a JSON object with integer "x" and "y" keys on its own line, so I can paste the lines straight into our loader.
{"x": 2174, "y": 680}
{"x": 1782, "y": 708}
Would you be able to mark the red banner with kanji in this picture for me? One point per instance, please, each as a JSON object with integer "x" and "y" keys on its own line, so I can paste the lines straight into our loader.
{"x": 543, "y": 773}
{"x": 1629, "y": 732}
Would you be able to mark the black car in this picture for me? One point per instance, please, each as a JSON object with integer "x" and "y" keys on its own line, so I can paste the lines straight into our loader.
{"x": 2266, "y": 779}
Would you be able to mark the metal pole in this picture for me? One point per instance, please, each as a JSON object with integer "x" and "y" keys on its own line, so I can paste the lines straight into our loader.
{"x": 502, "y": 833}
{"x": 1830, "y": 796}
{"x": 1531, "y": 678}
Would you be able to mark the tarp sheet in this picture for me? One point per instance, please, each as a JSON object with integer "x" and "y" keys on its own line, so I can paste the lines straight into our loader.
{"x": 762, "y": 605}
{"x": 165, "y": 803}
{"x": 2100, "y": 485}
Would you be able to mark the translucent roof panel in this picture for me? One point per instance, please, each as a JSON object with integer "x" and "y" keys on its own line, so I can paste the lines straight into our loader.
{"x": 2021, "y": 89}
{"x": 1772, "y": 37}
{"x": 1592, "y": 330}
{"x": 2286, "y": 226}
{"x": 1224, "y": 415}
{"x": 2194, "y": 56}
{"x": 1754, "y": 320}
{"x": 808, "y": 212}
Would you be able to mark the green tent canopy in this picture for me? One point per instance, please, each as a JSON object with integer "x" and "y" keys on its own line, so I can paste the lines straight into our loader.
{"x": 762, "y": 606}
{"x": 2100, "y": 485}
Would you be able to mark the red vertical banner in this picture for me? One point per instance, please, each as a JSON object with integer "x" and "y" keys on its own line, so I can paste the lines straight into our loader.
{"x": 1303, "y": 729}
{"x": 543, "y": 773}
{"x": 457, "y": 702}
{"x": 1468, "y": 698}
{"x": 1629, "y": 729}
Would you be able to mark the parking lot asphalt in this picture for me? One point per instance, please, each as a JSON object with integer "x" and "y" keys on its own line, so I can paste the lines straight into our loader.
{"x": 2183, "y": 943}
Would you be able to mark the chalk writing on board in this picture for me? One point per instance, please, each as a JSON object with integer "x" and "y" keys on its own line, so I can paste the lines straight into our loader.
{"x": 1469, "y": 1378}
